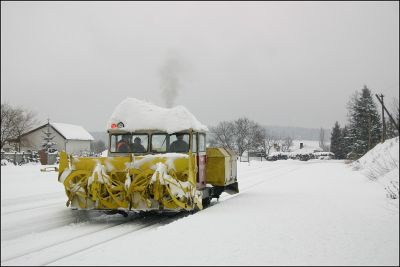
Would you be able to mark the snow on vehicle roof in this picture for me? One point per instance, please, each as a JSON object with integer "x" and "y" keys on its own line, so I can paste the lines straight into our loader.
{"x": 137, "y": 115}
{"x": 72, "y": 132}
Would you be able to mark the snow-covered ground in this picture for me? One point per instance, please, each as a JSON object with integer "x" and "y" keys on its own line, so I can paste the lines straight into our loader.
{"x": 287, "y": 213}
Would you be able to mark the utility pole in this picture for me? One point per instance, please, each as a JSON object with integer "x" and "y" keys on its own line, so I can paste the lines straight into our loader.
{"x": 369, "y": 132}
{"x": 383, "y": 121}
{"x": 387, "y": 112}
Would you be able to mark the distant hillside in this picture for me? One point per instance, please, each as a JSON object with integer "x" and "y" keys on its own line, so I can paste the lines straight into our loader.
{"x": 100, "y": 136}
{"x": 298, "y": 133}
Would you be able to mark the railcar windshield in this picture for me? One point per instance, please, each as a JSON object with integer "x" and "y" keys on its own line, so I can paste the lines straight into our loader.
{"x": 177, "y": 142}
{"x": 129, "y": 143}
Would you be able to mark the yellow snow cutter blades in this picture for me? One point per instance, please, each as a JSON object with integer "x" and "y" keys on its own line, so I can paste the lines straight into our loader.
{"x": 141, "y": 183}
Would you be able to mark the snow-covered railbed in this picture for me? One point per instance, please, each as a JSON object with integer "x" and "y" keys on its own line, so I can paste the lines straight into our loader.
{"x": 68, "y": 240}
{"x": 41, "y": 204}
{"x": 287, "y": 212}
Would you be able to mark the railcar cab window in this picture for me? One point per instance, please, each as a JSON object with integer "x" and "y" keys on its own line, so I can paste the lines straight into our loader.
{"x": 194, "y": 143}
{"x": 159, "y": 143}
{"x": 178, "y": 143}
{"x": 129, "y": 143}
{"x": 202, "y": 142}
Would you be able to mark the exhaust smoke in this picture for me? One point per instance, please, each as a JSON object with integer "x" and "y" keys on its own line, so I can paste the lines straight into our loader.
{"x": 170, "y": 75}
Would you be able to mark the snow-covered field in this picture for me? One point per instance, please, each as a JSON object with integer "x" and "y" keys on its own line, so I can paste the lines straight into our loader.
{"x": 287, "y": 213}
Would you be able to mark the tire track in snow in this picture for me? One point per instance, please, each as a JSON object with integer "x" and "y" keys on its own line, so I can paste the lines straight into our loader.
{"x": 17, "y": 225}
{"x": 12, "y": 211}
{"x": 250, "y": 185}
{"x": 26, "y": 199}
{"x": 31, "y": 250}
{"x": 266, "y": 175}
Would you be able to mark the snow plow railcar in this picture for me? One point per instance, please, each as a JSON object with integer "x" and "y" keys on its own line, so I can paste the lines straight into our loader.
{"x": 157, "y": 160}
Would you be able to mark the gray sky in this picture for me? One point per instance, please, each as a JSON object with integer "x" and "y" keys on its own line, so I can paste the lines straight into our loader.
{"x": 278, "y": 63}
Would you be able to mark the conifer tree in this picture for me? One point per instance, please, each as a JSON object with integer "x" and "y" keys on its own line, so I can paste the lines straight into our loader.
{"x": 365, "y": 123}
{"x": 48, "y": 137}
{"x": 336, "y": 145}
{"x": 345, "y": 142}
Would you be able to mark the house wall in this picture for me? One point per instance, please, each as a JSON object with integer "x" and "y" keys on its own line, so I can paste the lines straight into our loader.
{"x": 34, "y": 140}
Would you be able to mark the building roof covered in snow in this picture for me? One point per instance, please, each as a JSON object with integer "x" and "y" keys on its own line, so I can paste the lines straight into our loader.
{"x": 67, "y": 131}
{"x": 309, "y": 146}
{"x": 72, "y": 132}
{"x": 141, "y": 115}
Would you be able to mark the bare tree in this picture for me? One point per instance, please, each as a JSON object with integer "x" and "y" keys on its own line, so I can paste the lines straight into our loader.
{"x": 269, "y": 142}
{"x": 322, "y": 140}
{"x": 8, "y": 115}
{"x": 243, "y": 129}
{"x": 14, "y": 122}
{"x": 240, "y": 135}
{"x": 258, "y": 134}
{"x": 24, "y": 122}
{"x": 286, "y": 144}
{"x": 223, "y": 135}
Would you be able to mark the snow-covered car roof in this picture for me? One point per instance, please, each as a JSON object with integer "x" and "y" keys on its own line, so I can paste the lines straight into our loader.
{"x": 137, "y": 115}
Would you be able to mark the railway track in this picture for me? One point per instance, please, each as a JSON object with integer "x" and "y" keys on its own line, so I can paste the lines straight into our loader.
{"x": 51, "y": 252}
{"x": 93, "y": 230}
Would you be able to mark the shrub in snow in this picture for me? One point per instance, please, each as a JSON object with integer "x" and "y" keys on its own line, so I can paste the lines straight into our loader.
{"x": 324, "y": 155}
{"x": 19, "y": 158}
{"x": 278, "y": 156}
{"x": 303, "y": 156}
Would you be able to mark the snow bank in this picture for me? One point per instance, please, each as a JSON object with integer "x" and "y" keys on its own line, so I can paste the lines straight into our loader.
{"x": 381, "y": 164}
{"x": 72, "y": 132}
{"x": 140, "y": 115}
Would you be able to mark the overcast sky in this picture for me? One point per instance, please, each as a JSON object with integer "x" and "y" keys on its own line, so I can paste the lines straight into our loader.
{"x": 278, "y": 63}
